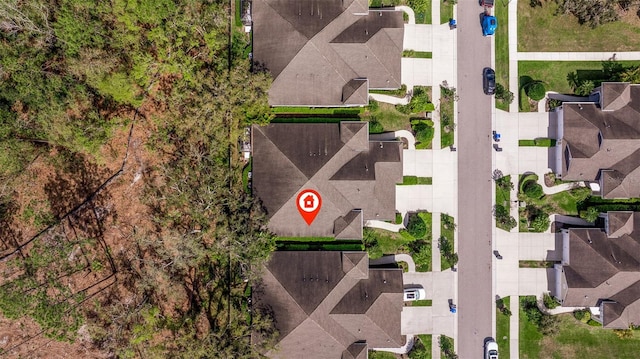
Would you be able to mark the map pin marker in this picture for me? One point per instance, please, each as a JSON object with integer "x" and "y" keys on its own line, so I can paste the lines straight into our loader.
{"x": 309, "y": 203}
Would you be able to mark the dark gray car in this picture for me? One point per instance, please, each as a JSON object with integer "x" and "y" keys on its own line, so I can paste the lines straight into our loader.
{"x": 489, "y": 81}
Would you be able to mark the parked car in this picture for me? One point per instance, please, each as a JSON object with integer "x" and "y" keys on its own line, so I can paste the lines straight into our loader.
{"x": 414, "y": 293}
{"x": 486, "y": 3}
{"x": 489, "y": 81}
{"x": 491, "y": 349}
{"x": 489, "y": 25}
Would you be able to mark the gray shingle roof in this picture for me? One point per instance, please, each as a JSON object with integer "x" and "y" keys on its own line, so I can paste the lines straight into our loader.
{"x": 330, "y": 304}
{"x": 338, "y": 161}
{"x": 606, "y": 267}
{"x": 598, "y": 139}
{"x": 315, "y": 49}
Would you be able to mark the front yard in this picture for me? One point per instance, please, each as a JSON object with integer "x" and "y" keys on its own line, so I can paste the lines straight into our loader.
{"x": 540, "y": 29}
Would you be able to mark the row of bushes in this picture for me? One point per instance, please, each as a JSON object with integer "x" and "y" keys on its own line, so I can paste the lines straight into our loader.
{"x": 336, "y": 246}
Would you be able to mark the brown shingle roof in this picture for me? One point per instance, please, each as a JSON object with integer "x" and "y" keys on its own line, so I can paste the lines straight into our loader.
{"x": 336, "y": 322}
{"x": 596, "y": 140}
{"x": 314, "y": 49}
{"x": 606, "y": 267}
{"x": 338, "y": 161}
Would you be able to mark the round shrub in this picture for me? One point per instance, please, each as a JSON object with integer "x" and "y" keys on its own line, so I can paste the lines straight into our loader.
{"x": 533, "y": 190}
{"x": 416, "y": 226}
{"x": 540, "y": 223}
{"x": 536, "y": 91}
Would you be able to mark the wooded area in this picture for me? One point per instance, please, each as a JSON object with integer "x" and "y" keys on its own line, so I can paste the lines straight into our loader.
{"x": 124, "y": 226}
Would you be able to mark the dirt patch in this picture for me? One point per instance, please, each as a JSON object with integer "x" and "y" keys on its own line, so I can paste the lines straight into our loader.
{"x": 630, "y": 16}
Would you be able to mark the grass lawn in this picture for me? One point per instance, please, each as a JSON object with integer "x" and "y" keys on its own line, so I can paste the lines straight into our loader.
{"x": 382, "y": 355}
{"x": 414, "y": 180}
{"x": 422, "y": 303}
{"x": 387, "y": 115}
{"x": 446, "y": 11}
{"x": 245, "y": 176}
{"x": 423, "y": 11}
{"x": 421, "y": 348}
{"x": 446, "y": 118}
{"x": 502, "y": 331}
{"x": 501, "y": 10}
{"x": 503, "y": 195}
{"x": 554, "y": 73}
{"x": 447, "y": 232}
{"x": 355, "y": 111}
{"x": 417, "y": 54}
{"x": 529, "y": 336}
{"x": 535, "y": 264}
{"x": 401, "y": 92}
{"x": 575, "y": 340}
{"x": 565, "y": 203}
{"x": 539, "y": 29}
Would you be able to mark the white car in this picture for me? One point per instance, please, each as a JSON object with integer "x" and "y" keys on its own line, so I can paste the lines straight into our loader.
{"x": 414, "y": 293}
{"x": 491, "y": 349}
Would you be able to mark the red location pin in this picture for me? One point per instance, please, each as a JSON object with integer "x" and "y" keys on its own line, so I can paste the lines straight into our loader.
{"x": 309, "y": 203}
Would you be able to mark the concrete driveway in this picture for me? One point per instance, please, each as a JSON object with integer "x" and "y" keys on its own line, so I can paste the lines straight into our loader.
{"x": 414, "y": 198}
{"x": 417, "y": 163}
{"x": 417, "y": 72}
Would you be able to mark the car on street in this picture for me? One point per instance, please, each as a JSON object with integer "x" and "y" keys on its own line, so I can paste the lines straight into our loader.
{"x": 489, "y": 81}
{"x": 491, "y": 349}
{"x": 414, "y": 293}
{"x": 489, "y": 25}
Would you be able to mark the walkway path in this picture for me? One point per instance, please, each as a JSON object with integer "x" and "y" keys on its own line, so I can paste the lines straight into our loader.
{"x": 389, "y": 99}
{"x": 402, "y": 350}
{"x": 394, "y": 258}
{"x": 388, "y": 136}
{"x": 558, "y": 188}
{"x": 383, "y": 225}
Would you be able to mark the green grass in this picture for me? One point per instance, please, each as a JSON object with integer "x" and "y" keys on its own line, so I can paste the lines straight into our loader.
{"x": 540, "y": 142}
{"x": 311, "y": 119}
{"x": 422, "y": 303}
{"x": 379, "y": 242}
{"x": 530, "y": 337}
{"x": 554, "y": 73}
{"x": 501, "y": 11}
{"x": 535, "y": 264}
{"x": 414, "y": 180}
{"x": 565, "y": 203}
{"x": 417, "y": 54}
{"x": 401, "y": 92}
{"x": 305, "y": 239}
{"x": 245, "y": 176}
{"x": 502, "y": 331}
{"x": 503, "y": 196}
{"x": 381, "y": 355}
{"x": 539, "y": 29}
{"x": 446, "y": 112}
{"x": 448, "y": 233}
{"x": 576, "y": 340}
{"x": 421, "y": 348}
{"x": 422, "y": 11}
{"x": 387, "y": 115}
{"x": 446, "y": 11}
{"x": 238, "y": 15}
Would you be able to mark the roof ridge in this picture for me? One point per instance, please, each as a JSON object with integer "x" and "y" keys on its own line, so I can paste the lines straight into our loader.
{"x": 382, "y": 30}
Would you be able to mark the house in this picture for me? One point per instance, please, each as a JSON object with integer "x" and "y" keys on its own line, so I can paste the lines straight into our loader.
{"x": 326, "y": 53}
{"x": 600, "y": 270}
{"x": 601, "y": 140}
{"x": 355, "y": 178}
{"x": 329, "y": 304}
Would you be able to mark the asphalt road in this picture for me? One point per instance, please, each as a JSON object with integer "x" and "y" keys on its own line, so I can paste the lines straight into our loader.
{"x": 474, "y": 185}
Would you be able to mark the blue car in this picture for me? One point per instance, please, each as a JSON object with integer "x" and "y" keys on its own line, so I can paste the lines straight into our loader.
{"x": 489, "y": 25}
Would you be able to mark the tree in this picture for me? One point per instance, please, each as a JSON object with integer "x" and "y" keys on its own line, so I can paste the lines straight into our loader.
{"x": 585, "y": 88}
{"x": 416, "y": 226}
{"x": 590, "y": 215}
{"x": 540, "y": 223}
{"x": 591, "y": 12}
{"x": 533, "y": 190}
{"x": 504, "y": 94}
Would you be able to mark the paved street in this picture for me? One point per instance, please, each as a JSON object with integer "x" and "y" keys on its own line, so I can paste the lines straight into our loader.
{"x": 475, "y": 301}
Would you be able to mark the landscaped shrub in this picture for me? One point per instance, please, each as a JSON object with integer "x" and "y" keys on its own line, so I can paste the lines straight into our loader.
{"x": 533, "y": 190}
{"x": 590, "y": 215}
{"x": 504, "y": 220}
{"x": 535, "y": 90}
{"x": 419, "y": 102}
{"x": 524, "y": 180}
{"x": 503, "y": 94}
{"x": 549, "y": 301}
{"x": 416, "y": 226}
{"x": 582, "y": 315}
{"x": 447, "y": 348}
{"x": 423, "y": 130}
{"x": 502, "y": 308}
{"x": 540, "y": 223}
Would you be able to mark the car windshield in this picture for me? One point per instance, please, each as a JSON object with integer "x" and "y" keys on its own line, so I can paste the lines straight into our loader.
{"x": 491, "y": 75}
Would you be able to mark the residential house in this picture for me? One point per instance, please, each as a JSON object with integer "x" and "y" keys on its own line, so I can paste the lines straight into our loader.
{"x": 326, "y": 53}
{"x": 601, "y": 140}
{"x": 354, "y": 177}
{"x": 330, "y": 304}
{"x": 600, "y": 270}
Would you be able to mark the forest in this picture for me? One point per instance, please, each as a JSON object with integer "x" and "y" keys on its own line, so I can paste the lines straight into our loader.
{"x": 125, "y": 229}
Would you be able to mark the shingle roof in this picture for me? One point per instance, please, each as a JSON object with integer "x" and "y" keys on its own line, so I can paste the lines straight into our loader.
{"x": 336, "y": 160}
{"x": 598, "y": 139}
{"x": 316, "y": 50}
{"x": 606, "y": 266}
{"x": 325, "y": 309}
